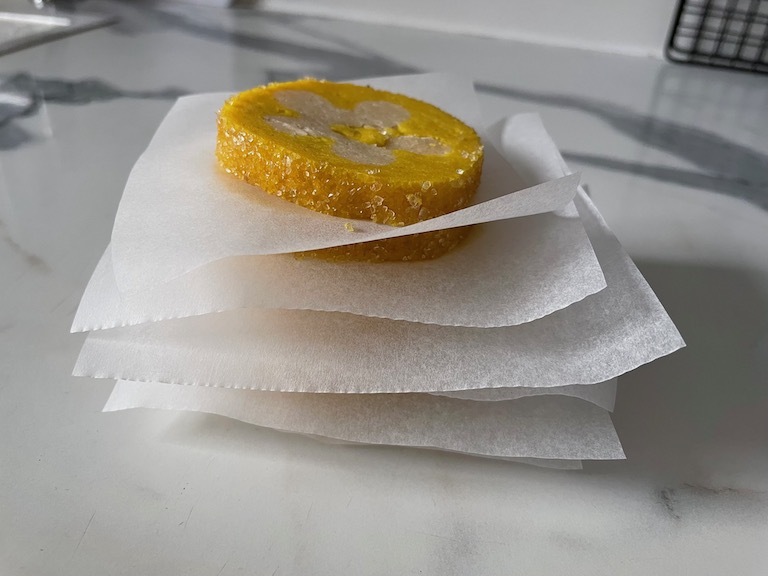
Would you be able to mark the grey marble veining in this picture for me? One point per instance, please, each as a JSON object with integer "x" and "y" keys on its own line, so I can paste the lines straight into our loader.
{"x": 755, "y": 192}
{"x": 21, "y": 95}
{"x": 725, "y": 165}
{"x": 32, "y": 260}
{"x": 344, "y": 61}
{"x": 85, "y": 91}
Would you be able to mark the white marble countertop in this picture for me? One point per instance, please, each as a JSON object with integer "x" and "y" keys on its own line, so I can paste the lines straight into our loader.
{"x": 676, "y": 158}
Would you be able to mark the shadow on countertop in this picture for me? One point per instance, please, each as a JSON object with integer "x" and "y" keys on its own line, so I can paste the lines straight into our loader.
{"x": 698, "y": 418}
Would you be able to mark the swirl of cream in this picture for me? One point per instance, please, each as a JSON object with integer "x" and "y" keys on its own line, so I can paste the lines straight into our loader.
{"x": 319, "y": 117}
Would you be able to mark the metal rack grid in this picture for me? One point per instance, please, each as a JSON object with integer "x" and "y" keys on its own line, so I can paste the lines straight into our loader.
{"x": 722, "y": 33}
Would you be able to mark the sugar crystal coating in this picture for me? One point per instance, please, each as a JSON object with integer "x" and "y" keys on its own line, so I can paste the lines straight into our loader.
{"x": 354, "y": 152}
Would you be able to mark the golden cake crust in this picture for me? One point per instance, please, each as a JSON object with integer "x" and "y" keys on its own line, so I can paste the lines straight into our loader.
{"x": 354, "y": 152}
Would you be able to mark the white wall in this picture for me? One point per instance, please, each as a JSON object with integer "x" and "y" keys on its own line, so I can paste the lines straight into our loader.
{"x": 637, "y": 27}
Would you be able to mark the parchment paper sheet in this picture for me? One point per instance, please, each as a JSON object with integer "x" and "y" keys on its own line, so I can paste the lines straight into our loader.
{"x": 550, "y": 427}
{"x": 602, "y": 394}
{"x": 591, "y": 341}
{"x": 506, "y": 273}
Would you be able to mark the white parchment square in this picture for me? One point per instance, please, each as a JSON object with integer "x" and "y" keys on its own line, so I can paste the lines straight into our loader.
{"x": 508, "y": 272}
{"x": 548, "y": 427}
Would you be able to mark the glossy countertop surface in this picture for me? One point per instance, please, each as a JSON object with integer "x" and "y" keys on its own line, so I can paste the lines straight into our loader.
{"x": 676, "y": 158}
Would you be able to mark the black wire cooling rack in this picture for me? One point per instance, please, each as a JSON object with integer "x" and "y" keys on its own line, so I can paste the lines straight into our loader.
{"x": 722, "y": 33}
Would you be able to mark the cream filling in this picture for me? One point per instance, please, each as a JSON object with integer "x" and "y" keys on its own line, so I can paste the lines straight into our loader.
{"x": 317, "y": 116}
